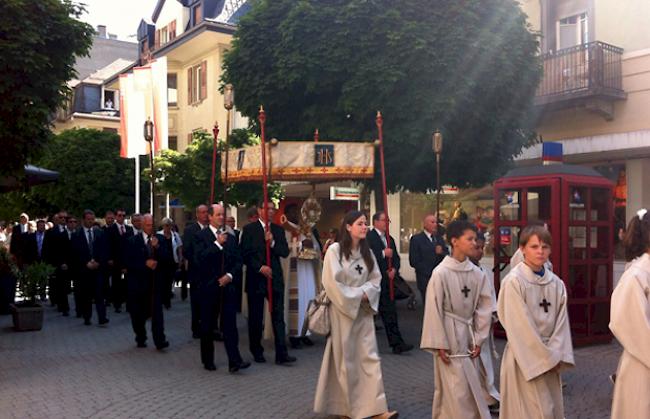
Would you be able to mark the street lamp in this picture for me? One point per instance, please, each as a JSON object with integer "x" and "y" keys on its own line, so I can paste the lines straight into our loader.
{"x": 228, "y": 103}
{"x": 437, "y": 148}
{"x": 148, "y": 137}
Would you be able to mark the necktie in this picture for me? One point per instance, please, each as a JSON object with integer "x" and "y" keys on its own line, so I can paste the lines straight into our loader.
{"x": 121, "y": 230}
{"x": 90, "y": 241}
{"x": 39, "y": 236}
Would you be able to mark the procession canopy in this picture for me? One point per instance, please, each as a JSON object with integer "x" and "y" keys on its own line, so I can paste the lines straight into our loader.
{"x": 307, "y": 161}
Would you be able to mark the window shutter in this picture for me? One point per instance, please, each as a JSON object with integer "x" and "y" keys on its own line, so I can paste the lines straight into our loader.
{"x": 204, "y": 80}
{"x": 172, "y": 30}
{"x": 157, "y": 39}
{"x": 189, "y": 86}
{"x": 189, "y": 138}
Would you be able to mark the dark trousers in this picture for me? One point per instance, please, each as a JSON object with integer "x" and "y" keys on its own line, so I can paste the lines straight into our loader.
{"x": 256, "y": 322}
{"x": 93, "y": 284}
{"x": 219, "y": 299}
{"x": 388, "y": 313}
{"x": 142, "y": 303}
{"x": 168, "y": 280}
{"x": 7, "y": 291}
{"x": 62, "y": 289}
{"x": 118, "y": 288}
{"x": 422, "y": 287}
{"x": 195, "y": 305}
{"x": 76, "y": 293}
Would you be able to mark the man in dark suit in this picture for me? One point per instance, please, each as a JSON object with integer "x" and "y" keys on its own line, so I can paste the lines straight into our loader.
{"x": 118, "y": 234}
{"x": 426, "y": 250}
{"x": 34, "y": 244}
{"x": 71, "y": 226}
{"x": 90, "y": 249}
{"x": 239, "y": 275}
{"x": 218, "y": 258}
{"x": 56, "y": 252}
{"x": 253, "y": 247}
{"x": 387, "y": 310}
{"x": 145, "y": 256}
{"x": 19, "y": 235}
{"x": 189, "y": 236}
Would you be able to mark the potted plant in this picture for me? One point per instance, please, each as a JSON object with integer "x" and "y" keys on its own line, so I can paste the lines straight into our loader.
{"x": 7, "y": 281}
{"x": 28, "y": 314}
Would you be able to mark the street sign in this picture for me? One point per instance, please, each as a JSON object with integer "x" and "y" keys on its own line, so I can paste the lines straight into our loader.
{"x": 338, "y": 193}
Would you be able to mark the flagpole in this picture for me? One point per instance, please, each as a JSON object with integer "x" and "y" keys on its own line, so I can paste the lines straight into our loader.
{"x": 269, "y": 283}
{"x": 380, "y": 129}
{"x": 137, "y": 184}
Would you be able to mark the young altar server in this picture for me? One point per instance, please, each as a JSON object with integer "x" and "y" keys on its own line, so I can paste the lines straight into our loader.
{"x": 532, "y": 308}
{"x": 457, "y": 318}
{"x": 350, "y": 383}
{"x": 630, "y": 323}
{"x": 489, "y": 353}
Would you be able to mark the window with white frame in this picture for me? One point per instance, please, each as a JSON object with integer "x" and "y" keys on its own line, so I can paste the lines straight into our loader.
{"x": 572, "y": 31}
{"x": 197, "y": 83}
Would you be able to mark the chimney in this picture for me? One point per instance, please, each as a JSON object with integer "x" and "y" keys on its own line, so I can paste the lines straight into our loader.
{"x": 101, "y": 31}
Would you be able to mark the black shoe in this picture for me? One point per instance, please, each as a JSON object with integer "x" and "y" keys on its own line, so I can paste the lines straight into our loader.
{"x": 210, "y": 367}
{"x": 196, "y": 335}
{"x": 494, "y": 408}
{"x": 287, "y": 359}
{"x": 259, "y": 359}
{"x": 87, "y": 322}
{"x": 218, "y": 336}
{"x": 162, "y": 346}
{"x": 142, "y": 345}
{"x": 103, "y": 322}
{"x": 65, "y": 314}
{"x": 307, "y": 341}
{"x": 241, "y": 366}
{"x": 295, "y": 342}
{"x": 402, "y": 347}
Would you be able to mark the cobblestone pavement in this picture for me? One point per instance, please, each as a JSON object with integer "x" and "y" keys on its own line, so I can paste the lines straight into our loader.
{"x": 75, "y": 371}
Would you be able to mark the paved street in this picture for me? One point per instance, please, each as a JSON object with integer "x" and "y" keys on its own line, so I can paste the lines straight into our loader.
{"x": 75, "y": 371}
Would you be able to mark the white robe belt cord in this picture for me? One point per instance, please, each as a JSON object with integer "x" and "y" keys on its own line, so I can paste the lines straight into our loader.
{"x": 470, "y": 325}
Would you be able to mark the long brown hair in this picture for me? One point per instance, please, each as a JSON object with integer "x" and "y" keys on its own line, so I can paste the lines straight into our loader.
{"x": 637, "y": 236}
{"x": 345, "y": 240}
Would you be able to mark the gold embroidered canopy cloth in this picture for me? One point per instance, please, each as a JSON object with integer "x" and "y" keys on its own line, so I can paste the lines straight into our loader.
{"x": 307, "y": 161}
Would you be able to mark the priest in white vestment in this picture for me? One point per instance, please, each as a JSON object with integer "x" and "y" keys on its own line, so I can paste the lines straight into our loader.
{"x": 457, "y": 321}
{"x": 350, "y": 383}
{"x": 532, "y": 307}
{"x": 630, "y": 323}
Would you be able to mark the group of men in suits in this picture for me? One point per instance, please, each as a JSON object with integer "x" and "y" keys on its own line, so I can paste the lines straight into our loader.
{"x": 215, "y": 253}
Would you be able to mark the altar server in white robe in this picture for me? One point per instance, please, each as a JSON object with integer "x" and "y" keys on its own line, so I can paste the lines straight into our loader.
{"x": 489, "y": 353}
{"x": 630, "y": 323}
{"x": 457, "y": 321}
{"x": 532, "y": 307}
{"x": 350, "y": 383}
{"x": 518, "y": 256}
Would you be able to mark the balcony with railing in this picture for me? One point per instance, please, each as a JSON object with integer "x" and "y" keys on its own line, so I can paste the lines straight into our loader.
{"x": 581, "y": 74}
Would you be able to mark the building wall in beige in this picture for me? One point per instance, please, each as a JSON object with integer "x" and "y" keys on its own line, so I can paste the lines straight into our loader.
{"x": 88, "y": 121}
{"x": 624, "y": 23}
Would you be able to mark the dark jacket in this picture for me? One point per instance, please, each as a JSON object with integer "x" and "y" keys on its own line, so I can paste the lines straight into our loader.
{"x": 56, "y": 248}
{"x": 189, "y": 252}
{"x": 423, "y": 257}
{"x": 377, "y": 247}
{"x": 81, "y": 250}
{"x": 135, "y": 257}
{"x": 253, "y": 249}
{"x": 117, "y": 243}
{"x": 213, "y": 262}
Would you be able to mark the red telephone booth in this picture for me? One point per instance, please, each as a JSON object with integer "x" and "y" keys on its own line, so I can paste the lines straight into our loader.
{"x": 576, "y": 204}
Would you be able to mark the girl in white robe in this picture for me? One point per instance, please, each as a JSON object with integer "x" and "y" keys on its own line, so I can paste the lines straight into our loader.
{"x": 457, "y": 321}
{"x": 532, "y": 308}
{"x": 350, "y": 383}
{"x": 630, "y": 323}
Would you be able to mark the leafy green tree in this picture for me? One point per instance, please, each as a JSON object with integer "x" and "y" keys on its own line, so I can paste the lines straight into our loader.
{"x": 39, "y": 41}
{"x": 91, "y": 175}
{"x": 187, "y": 175}
{"x": 469, "y": 68}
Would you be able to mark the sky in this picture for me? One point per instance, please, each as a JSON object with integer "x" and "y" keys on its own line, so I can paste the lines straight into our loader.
{"x": 121, "y": 17}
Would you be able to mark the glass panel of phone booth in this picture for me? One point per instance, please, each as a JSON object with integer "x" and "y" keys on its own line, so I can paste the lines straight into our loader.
{"x": 578, "y": 314}
{"x": 579, "y": 281}
{"x": 578, "y": 204}
{"x": 510, "y": 205}
{"x": 538, "y": 206}
{"x": 599, "y": 245}
{"x": 509, "y": 241}
{"x": 600, "y": 204}
{"x": 599, "y": 281}
{"x": 599, "y": 318}
{"x": 577, "y": 243}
